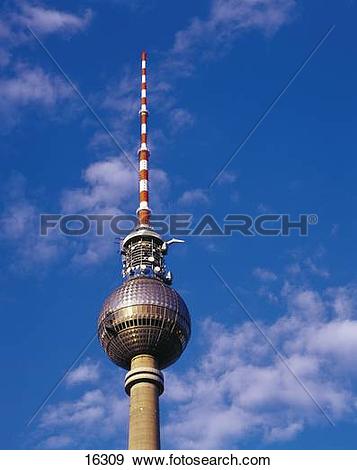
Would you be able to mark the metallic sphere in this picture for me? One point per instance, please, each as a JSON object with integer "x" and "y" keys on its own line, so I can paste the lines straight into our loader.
{"x": 144, "y": 316}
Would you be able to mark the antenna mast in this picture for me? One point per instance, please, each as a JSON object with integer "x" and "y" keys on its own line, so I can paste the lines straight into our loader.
{"x": 143, "y": 211}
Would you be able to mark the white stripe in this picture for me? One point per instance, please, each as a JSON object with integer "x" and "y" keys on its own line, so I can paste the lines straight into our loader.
{"x": 143, "y": 128}
{"x": 143, "y": 109}
{"x": 143, "y": 185}
{"x": 143, "y": 146}
{"x": 143, "y": 64}
{"x": 143, "y": 165}
{"x": 143, "y": 92}
{"x": 143, "y": 79}
{"x": 143, "y": 205}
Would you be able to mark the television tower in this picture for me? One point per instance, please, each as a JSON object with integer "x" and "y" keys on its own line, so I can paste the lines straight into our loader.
{"x": 144, "y": 325}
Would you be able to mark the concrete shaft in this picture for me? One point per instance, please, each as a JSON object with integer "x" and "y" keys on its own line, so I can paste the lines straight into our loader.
{"x": 144, "y": 383}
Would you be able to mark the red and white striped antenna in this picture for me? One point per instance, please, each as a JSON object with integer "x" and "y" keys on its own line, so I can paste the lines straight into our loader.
{"x": 143, "y": 211}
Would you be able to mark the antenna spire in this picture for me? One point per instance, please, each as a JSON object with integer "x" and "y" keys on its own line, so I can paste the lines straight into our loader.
{"x": 143, "y": 211}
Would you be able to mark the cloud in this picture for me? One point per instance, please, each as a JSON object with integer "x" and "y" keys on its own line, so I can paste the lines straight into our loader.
{"x": 110, "y": 187}
{"x": 180, "y": 119}
{"x": 304, "y": 265}
{"x": 303, "y": 301}
{"x": 194, "y": 196}
{"x": 343, "y": 300}
{"x": 264, "y": 275}
{"x": 57, "y": 442}
{"x": 266, "y": 292}
{"x": 248, "y": 392}
{"x": 284, "y": 433}
{"x": 120, "y": 102}
{"x": 314, "y": 269}
{"x": 24, "y": 87}
{"x": 23, "y": 84}
{"x": 84, "y": 373}
{"x": 45, "y": 20}
{"x": 335, "y": 340}
{"x": 108, "y": 183}
{"x": 227, "y": 177}
{"x": 226, "y": 20}
{"x": 19, "y": 218}
{"x": 96, "y": 414}
{"x": 16, "y": 20}
{"x": 32, "y": 86}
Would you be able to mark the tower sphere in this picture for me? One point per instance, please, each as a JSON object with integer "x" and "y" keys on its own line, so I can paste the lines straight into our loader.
{"x": 144, "y": 316}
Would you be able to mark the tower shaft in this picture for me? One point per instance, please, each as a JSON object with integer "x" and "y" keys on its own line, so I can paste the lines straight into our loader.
{"x": 144, "y": 384}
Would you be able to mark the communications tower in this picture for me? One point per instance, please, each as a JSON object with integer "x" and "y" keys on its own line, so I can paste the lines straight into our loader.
{"x": 144, "y": 325}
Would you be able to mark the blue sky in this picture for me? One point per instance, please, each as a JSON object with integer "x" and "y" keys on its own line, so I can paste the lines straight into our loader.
{"x": 214, "y": 68}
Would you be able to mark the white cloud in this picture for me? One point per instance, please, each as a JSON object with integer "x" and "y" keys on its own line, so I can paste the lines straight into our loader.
{"x": 120, "y": 102}
{"x": 19, "y": 219}
{"x": 247, "y": 391}
{"x": 93, "y": 251}
{"x": 45, "y": 20}
{"x": 32, "y": 86}
{"x": 264, "y": 274}
{"x": 194, "y": 196}
{"x": 82, "y": 412}
{"x": 344, "y": 301}
{"x": 96, "y": 414}
{"x": 227, "y": 177}
{"x": 314, "y": 269}
{"x": 108, "y": 183}
{"x": 334, "y": 230}
{"x": 84, "y": 373}
{"x": 24, "y": 84}
{"x": 284, "y": 433}
{"x": 308, "y": 265}
{"x": 226, "y": 20}
{"x": 180, "y": 119}
{"x": 266, "y": 292}
{"x": 57, "y": 442}
{"x": 294, "y": 269}
{"x": 110, "y": 187}
{"x": 304, "y": 302}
